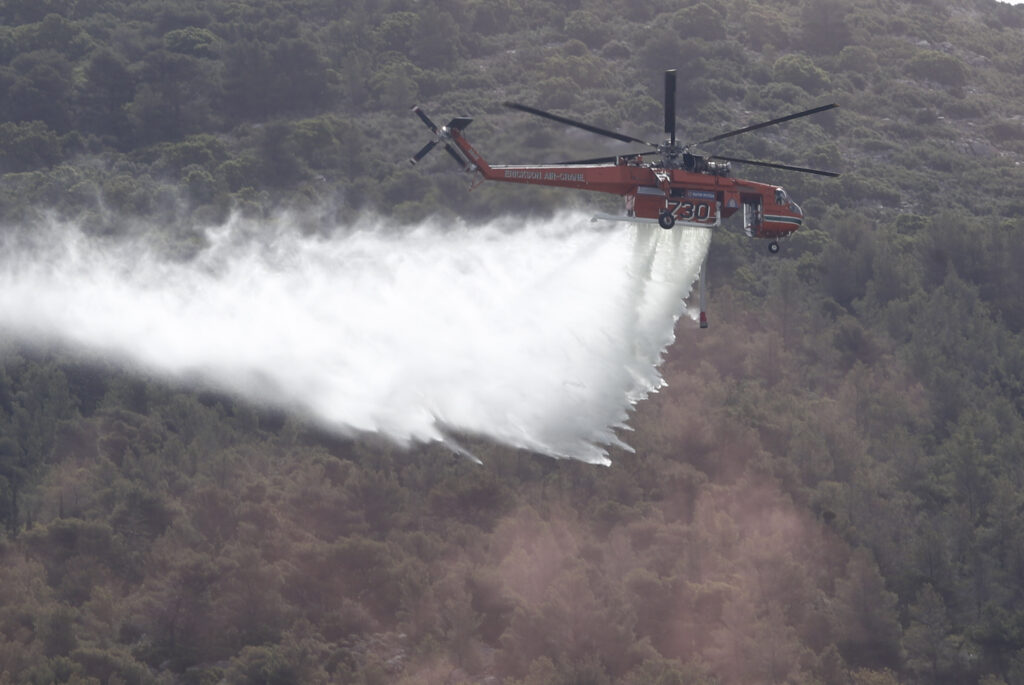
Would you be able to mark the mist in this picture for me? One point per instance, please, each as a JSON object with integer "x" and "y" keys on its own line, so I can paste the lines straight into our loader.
{"x": 539, "y": 334}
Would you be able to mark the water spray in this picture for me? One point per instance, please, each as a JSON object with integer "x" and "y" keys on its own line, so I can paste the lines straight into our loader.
{"x": 539, "y": 334}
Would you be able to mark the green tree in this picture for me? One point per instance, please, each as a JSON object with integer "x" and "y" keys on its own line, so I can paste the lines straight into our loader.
{"x": 584, "y": 25}
{"x": 175, "y": 97}
{"x": 41, "y": 89}
{"x": 27, "y": 146}
{"x": 246, "y": 65}
{"x": 700, "y": 21}
{"x": 930, "y": 645}
{"x": 299, "y": 77}
{"x": 938, "y": 67}
{"x": 13, "y": 474}
{"x": 867, "y": 623}
{"x": 800, "y": 70}
{"x": 823, "y": 25}
{"x": 103, "y": 97}
{"x": 193, "y": 41}
{"x": 17, "y": 12}
{"x": 394, "y": 84}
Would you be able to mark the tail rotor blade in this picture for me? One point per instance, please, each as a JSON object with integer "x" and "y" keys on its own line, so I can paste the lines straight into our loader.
{"x": 423, "y": 152}
{"x": 426, "y": 120}
{"x": 441, "y": 136}
{"x": 670, "y": 104}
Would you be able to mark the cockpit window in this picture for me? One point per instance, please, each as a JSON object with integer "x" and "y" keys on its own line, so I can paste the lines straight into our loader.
{"x": 780, "y": 197}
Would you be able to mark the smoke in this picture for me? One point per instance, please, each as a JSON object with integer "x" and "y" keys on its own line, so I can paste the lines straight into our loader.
{"x": 540, "y": 334}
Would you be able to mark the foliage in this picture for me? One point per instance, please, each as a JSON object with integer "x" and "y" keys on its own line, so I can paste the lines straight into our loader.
{"x": 828, "y": 490}
{"x": 939, "y": 67}
{"x": 801, "y": 71}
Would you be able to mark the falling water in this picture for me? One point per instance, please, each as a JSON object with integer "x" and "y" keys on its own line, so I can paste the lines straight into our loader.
{"x": 540, "y": 334}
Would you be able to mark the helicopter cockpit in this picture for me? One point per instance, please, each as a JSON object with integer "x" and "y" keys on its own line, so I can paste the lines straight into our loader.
{"x": 782, "y": 200}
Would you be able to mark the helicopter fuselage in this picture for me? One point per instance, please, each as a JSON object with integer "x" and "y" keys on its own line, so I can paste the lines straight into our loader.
{"x": 674, "y": 187}
{"x": 691, "y": 198}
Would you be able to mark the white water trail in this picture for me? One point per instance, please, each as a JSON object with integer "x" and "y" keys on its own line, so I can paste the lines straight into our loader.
{"x": 541, "y": 334}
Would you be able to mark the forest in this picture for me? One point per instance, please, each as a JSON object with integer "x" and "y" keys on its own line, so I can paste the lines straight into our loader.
{"x": 830, "y": 489}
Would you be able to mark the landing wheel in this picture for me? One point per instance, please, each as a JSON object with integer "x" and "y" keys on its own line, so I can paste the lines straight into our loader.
{"x": 773, "y": 247}
{"x": 666, "y": 220}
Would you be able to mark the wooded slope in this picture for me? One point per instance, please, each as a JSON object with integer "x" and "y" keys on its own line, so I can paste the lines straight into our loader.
{"x": 829, "y": 490}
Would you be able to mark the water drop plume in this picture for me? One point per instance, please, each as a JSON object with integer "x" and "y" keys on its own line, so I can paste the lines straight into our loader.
{"x": 541, "y": 334}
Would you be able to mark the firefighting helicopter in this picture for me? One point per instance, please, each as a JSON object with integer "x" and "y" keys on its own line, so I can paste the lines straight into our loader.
{"x": 668, "y": 184}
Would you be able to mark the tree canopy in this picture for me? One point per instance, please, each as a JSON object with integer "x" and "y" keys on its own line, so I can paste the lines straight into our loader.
{"x": 829, "y": 490}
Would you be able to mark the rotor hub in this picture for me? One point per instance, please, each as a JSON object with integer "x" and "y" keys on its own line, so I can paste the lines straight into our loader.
{"x": 672, "y": 154}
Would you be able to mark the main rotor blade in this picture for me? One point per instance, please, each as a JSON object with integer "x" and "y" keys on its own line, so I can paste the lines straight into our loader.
{"x": 670, "y": 104}
{"x": 423, "y": 152}
{"x": 769, "y": 123}
{"x": 773, "y": 165}
{"x": 608, "y": 160}
{"x": 578, "y": 124}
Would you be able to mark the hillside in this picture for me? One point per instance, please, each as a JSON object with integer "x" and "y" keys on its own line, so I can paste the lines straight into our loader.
{"x": 829, "y": 489}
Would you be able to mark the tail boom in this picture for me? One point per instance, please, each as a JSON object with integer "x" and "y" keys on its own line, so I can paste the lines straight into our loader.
{"x": 614, "y": 178}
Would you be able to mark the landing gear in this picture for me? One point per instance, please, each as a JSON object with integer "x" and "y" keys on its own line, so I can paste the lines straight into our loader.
{"x": 773, "y": 247}
{"x": 666, "y": 220}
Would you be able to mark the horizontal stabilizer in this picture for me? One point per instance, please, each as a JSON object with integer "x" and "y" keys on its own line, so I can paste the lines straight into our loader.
{"x": 459, "y": 123}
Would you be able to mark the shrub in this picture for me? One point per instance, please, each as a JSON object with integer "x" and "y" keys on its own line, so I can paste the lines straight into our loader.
{"x": 801, "y": 71}
{"x": 27, "y": 146}
{"x": 938, "y": 67}
{"x": 858, "y": 59}
{"x": 699, "y": 21}
{"x": 192, "y": 41}
{"x": 587, "y": 27}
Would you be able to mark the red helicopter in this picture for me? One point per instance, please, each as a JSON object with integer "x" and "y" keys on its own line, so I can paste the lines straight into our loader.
{"x": 676, "y": 188}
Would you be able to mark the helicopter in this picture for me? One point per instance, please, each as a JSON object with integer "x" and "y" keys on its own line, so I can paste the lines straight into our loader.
{"x": 668, "y": 183}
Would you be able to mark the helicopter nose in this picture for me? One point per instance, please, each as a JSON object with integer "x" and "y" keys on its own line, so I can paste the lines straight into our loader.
{"x": 795, "y": 208}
